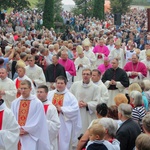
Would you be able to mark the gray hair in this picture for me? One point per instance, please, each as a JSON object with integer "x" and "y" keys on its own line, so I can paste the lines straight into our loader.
{"x": 137, "y": 96}
{"x": 125, "y": 110}
{"x": 28, "y": 50}
{"x": 22, "y": 55}
{"x": 110, "y": 125}
{"x": 35, "y": 43}
{"x": 42, "y": 50}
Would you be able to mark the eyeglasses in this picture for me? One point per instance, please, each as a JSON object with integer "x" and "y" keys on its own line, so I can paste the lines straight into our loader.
{"x": 86, "y": 74}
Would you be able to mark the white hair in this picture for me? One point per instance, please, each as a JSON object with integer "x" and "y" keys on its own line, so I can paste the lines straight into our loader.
{"x": 51, "y": 46}
{"x": 7, "y": 49}
{"x": 110, "y": 125}
{"x": 137, "y": 96}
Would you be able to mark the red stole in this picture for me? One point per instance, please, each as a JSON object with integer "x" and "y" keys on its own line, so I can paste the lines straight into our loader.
{"x": 23, "y": 114}
{"x": 1, "y": 119}
{"x": 18, "y": 86}
{"x": 46, "y": 108}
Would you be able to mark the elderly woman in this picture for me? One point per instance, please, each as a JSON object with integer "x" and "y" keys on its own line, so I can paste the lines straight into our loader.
{"x": 109, "y": 124}
{"x": 111, "y": 128}
{"x": 138, "y": 111}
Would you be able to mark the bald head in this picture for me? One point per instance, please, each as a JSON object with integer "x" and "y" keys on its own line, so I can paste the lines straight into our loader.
{"x": 3, "y": 73}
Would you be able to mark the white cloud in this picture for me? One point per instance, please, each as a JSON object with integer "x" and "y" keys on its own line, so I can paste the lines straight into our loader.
{"x": 68, "y": 2}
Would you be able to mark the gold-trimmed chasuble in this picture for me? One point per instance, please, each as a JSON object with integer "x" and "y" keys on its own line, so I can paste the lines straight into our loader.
{"x": 58, "y": 99}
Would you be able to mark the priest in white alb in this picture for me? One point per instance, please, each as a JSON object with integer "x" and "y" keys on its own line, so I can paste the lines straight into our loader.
{"x": 81, "y": 63}
{"x": 29, "y": 113}
{"x": 35, "y": 73}
{"x": 142, "y": 54}
{"x": 53, "y": 121}
{"x": 9, "y": 128}
{"x": 69, "y": 114}
{"x": 118, "y": 53}
{"x": 7, "y": 88}
{"x": 88, "y": 96}
{"x": 96, "y": 78}
{"x": 88, "y": 53}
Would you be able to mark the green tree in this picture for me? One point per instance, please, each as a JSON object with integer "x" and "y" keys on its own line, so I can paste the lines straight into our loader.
{"x": 120, "y": 6}
{"x": 20, "y": 4}
{"x": 16, "y": 4}
{"x": 48, "y": 15}
{"x": 4, "y": 4}
{"x": 98, "y": 9}
{"x": 57, "y": 8}
{"x": 84, "y": 7}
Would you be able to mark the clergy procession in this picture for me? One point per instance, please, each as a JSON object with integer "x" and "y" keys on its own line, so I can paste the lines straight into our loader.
{"x": 89, "y": 91}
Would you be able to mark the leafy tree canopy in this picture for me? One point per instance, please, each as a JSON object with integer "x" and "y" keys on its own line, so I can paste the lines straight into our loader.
{"x": 120, "y": 6}
{"x": 16, "y": 4}
{"x": 57, "y": 8}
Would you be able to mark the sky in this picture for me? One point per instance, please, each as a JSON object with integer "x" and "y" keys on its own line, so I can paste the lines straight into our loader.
{"x": 68, "y": 2}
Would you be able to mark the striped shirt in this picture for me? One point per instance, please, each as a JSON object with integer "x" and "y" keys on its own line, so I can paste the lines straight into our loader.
{"x": 138, "y": 113}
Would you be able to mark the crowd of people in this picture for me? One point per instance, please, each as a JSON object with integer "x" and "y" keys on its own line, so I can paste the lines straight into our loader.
{"x": 85, "y": 89}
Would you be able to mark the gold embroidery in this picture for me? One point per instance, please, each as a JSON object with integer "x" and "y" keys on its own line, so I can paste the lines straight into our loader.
{"x": 58, "y": 99}
{"x": 23, "y": 112}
